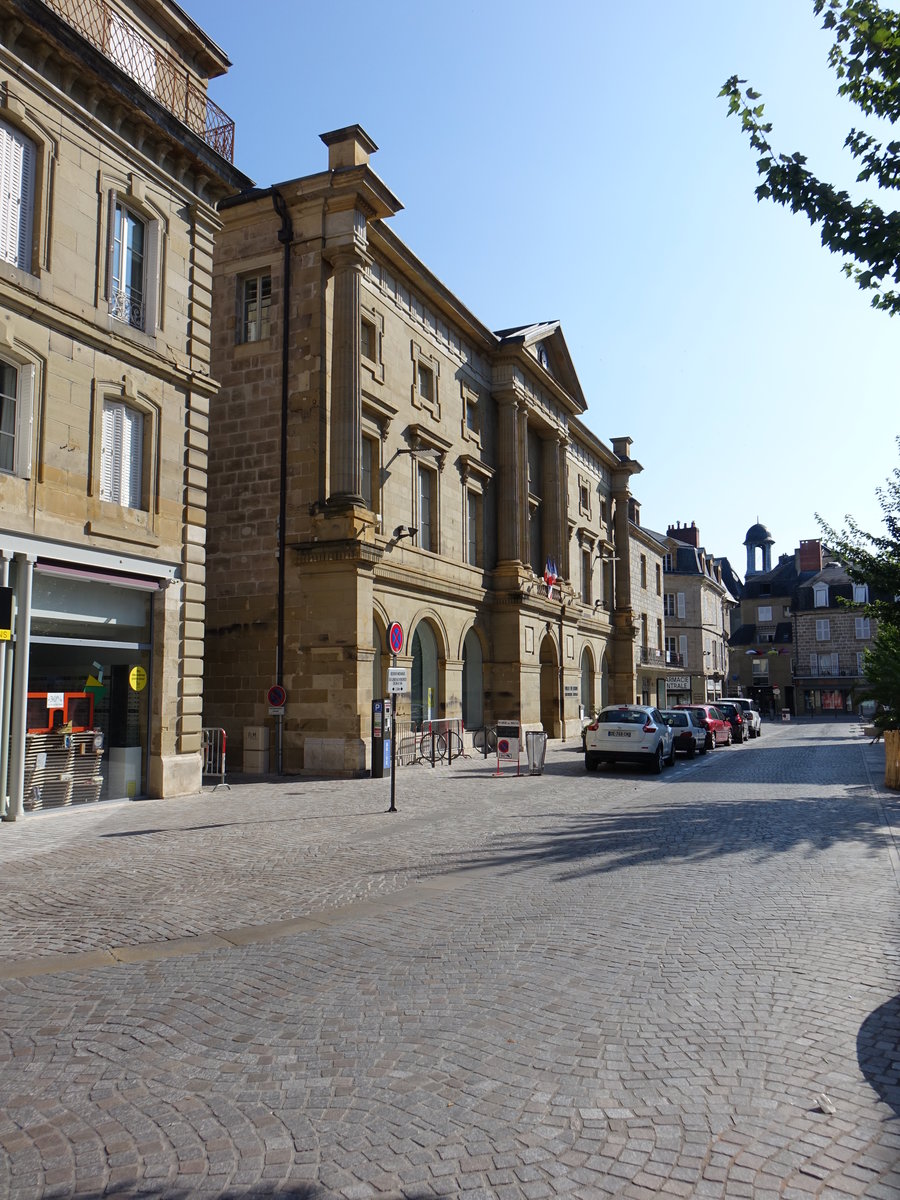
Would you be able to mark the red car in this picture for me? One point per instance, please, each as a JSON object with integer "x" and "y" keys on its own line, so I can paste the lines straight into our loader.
{"x": 718, "y": 729}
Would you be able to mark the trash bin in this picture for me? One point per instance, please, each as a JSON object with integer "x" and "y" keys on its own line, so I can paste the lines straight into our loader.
{"x": 536, "y": 749}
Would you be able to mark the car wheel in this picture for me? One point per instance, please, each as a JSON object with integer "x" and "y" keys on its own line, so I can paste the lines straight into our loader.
{"x": 591, "y": 762}
{"x": 728, "y": 738}
{"x": 671, "y": 759}
{"x": 656, "y": 763}
{"x": 702, "y": 749}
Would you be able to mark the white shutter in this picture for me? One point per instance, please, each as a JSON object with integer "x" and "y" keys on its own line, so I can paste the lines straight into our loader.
{"x": 813, "y": 664}
{"x": 17, "y": 159}
{"x": 111, "y": 245}
{"x": 682, "y": 645}
{"x": 25, "y": 431}
{"x": 108, "y": 452}
{"x": 152, "y": 278}
{"x": 681, "y": 604}
{"x": 132, "y": 457}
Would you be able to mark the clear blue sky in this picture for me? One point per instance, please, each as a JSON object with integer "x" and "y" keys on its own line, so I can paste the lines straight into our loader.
{"x": 572, "y": 161}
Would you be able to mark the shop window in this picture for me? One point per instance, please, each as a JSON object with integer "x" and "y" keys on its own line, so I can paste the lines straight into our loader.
{"x": 16, "y": 415}
{"x": 18, "y": 155}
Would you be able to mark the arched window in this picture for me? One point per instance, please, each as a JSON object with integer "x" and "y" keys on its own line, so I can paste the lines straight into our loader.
{"x": 587, "y": 681}
{"x": 472, "y": 682}
{"x": 424, "y": 698}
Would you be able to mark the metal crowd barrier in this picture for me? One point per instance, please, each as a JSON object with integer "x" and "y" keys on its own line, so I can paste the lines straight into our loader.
{"x": 213, "y": 745}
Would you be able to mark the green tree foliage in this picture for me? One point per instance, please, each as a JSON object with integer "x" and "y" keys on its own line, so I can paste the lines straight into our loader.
{"x": 875, "y": 559}
{"x": 866, "y": 59}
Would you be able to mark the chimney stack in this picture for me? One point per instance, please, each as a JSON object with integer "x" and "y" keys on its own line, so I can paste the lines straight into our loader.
{"x": 809, "y": 556}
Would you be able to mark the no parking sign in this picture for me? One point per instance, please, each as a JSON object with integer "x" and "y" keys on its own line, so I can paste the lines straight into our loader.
{"x": 395, "y": 637}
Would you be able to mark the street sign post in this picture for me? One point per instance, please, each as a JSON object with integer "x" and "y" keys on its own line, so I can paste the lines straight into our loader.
{"x": 397, "y": 680}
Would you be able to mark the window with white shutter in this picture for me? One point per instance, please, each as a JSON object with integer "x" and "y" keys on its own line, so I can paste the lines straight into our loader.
{"x": 823, "y": 630}
{"x": 16, "y": 417}
{"x": 680, "y": 604}
{"x": 18, "y": 155}
{"x": 682, "y": 648}
{"x": 863, "y": 627}
{"x": 122, "y": 455}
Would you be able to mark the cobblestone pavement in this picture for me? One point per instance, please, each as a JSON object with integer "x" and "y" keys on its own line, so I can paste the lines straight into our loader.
{"x": 573, "y": 985}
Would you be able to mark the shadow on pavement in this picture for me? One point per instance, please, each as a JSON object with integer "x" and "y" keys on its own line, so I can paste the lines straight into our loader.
{"x": 284, "y": 1191}
{"x": 878, "y": 1052}
{"x": 597, "y": 843}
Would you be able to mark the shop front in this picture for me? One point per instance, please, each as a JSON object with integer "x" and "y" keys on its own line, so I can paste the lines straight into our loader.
{"x": 84, "y": 716}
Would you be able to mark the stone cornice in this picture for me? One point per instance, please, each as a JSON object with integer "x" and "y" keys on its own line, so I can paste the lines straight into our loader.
{"x": 344, "y": 550}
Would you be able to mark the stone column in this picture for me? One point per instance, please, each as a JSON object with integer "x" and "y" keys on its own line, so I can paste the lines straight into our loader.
{"x": 510, "y": 516}
{"x": 346, "y": 400}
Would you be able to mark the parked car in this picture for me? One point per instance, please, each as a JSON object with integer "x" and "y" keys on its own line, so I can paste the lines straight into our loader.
{"x": 734, "y": 715}
{"x": 718, "y": 731}
{"x": 629, "y": 733}
{"x": 689, "y": 734}
{"x": 749, "y": 711}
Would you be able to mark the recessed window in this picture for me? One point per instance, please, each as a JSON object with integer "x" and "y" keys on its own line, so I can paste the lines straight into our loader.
{"x": 669, "y": 604}
{"x": 367, "y": 339}
{"x": 823, "y": 630}
{"x": 643, "y": 570}
{"x": 256, "y": 307}
{"x": 18, "y": 155}
{"x": 474, "y": 528}
{"x": 586, "y": 590}
{"x": 820, "y": 595}
{"x": 860, "y": 593}
{"x": 368, "y": 468}
{"x": 764, "y": 612}
{"x": 16, "y": 400}
{"x": 658, "y": 579}
{"x": 122, "y": 455}
{"x": 427, "y": 515}
{"x": 863, "y": 627}
{"x": 760, "y": 670}
{"x": 426, "y": 383}
{"x": 126, "y": 302}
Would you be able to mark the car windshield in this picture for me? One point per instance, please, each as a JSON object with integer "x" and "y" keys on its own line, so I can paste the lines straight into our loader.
{"x": 622, "y": 716}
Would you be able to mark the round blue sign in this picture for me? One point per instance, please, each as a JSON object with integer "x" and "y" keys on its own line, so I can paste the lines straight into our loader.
{"x": 276, "y": 696}
{"x": 395, "y": 637}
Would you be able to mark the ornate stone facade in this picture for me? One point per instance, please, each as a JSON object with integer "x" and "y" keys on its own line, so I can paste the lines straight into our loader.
{"x": 378, "y": 455}
{"x": 105, "y": 287}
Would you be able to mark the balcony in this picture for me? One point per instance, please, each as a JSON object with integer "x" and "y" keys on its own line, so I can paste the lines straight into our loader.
{"x": 826, "y": 673}
{"x": 157, "y": 72}
{"x": 644, "y": 656}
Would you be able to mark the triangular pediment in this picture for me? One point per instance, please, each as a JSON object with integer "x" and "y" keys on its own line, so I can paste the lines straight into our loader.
{"x": 545, "y": 345}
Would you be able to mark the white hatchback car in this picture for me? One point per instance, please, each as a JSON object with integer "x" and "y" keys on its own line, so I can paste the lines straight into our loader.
{"x": 629, "y": 733}
{"x": 750, "y": 713}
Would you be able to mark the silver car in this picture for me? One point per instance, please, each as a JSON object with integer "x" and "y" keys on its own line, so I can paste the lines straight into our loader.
{"x": 629, "y": 733}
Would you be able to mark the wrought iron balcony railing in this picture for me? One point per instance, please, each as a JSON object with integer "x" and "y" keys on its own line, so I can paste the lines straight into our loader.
{"x": 125, "y": 307}
{"x": 152, "y": 68}
{"x": 646, "y": 656}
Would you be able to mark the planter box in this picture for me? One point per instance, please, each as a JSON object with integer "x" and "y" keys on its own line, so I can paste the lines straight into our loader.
{"x": 892, "y": 758}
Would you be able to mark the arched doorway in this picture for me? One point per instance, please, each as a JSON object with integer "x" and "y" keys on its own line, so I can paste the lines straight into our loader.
{"x": 378, "y": 636}
{"x": 424, "y": 694}
{"x": 549, "y": 687}
{"x": 472, "y": 682}
{"x": 587, "y": 682}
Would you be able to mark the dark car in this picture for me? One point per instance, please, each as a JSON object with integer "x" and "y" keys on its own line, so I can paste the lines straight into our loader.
{"x": 735, "y": 718}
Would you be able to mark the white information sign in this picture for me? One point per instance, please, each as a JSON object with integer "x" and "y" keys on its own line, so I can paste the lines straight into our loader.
{"x": 397, "y": 680}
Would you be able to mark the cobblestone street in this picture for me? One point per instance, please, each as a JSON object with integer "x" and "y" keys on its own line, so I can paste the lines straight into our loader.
{"x": 572, "y": 985}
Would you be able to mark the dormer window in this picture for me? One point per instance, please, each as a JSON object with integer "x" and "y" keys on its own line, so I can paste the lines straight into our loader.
{"x": 860, "y": 593}
{"x": 820, "y": 595}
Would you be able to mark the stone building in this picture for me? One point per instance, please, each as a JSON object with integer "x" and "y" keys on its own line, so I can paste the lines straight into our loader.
{"x": 379, "y": 457}
{"x": 697, "y": 606}
{"x": 831, "y": 636}
{"x": 762, "y": 646}
{"x": 653, "y": 666}
{"x": 112, "y": 162}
